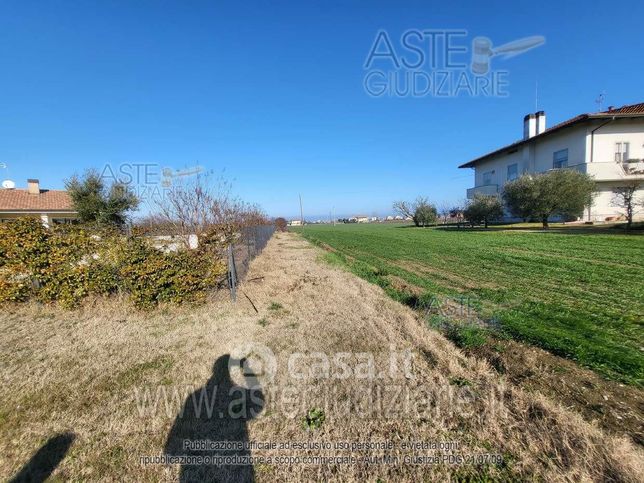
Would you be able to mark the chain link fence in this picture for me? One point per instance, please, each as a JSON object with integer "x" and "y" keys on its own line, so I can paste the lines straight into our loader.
{"x": 251, "y": 242}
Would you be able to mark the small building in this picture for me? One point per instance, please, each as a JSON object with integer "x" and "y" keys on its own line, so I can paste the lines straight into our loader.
{"x": 295, "y": 223}
{"x": 51, "y": 206}
{"x": 359, "y": 219}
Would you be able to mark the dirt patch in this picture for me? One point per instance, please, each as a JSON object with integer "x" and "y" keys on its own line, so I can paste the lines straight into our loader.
{"x": 403, "y": 286}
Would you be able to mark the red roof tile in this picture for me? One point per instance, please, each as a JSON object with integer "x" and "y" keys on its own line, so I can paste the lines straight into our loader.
{"x": 632, "y": 109}
{"x": 47, "y": 200}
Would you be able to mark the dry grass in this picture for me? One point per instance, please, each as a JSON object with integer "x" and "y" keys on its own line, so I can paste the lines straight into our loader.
{"x": 79, "y": 372}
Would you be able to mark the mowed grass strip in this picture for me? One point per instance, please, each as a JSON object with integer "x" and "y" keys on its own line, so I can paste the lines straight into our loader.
{"x": 578, "y": 294}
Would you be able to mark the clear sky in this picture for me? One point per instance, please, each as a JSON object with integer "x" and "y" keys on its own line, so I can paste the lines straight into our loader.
{"x": 271, "y": 92}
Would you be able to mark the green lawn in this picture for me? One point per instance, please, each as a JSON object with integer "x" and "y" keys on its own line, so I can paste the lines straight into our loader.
{"x": 577, "y": 293}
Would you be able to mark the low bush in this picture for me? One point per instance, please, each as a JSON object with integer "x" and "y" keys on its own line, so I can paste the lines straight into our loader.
{"x": 151, "y": 276}
{"x": 66, "y": 263}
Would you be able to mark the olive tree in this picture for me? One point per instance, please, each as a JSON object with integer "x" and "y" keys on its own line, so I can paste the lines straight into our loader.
{"x": 483, "y": 209}
{"x": 425, "y": 214}
{"x": 560, "y": 192}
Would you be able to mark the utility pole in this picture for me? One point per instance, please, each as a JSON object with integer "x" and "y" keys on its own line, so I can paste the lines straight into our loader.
{"x": 301, "y": 211}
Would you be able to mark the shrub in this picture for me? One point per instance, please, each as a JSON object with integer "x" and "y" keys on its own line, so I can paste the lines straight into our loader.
{"x": 66, "y": 263}
{"x": 151, "y": 276}
{"x": 280, "y": 224}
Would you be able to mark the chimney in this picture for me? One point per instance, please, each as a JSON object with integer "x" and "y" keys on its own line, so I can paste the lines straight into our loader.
{"x": 33, "y": 186}
{"x": 541, "y": 122}
{"x": 529, "y": 126}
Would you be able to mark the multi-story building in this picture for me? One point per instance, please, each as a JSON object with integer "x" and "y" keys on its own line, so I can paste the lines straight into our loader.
{"x": 608, "y": 145}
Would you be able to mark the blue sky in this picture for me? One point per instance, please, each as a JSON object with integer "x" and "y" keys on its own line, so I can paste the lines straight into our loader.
{"x": 271, "y": 92}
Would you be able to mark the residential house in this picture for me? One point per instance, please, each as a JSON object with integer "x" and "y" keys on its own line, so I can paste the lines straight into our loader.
{"x": 608, "y": 145}
{"x": 359, "y": 219}
{"x": 51, "y": 206}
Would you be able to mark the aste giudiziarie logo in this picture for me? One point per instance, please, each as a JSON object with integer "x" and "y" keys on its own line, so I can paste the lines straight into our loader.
{"x": 439, "y": 63}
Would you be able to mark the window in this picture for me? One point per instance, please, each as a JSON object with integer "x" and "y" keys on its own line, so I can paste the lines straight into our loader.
{"x": 487, "y": 177}
{"x": 560, "y": 159}
{"x": 513, "y": 171}
{"x": 621, "y": 152}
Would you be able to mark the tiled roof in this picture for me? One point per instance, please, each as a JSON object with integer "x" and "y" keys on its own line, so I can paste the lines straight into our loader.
{"x": 632, "y": 109}
{"x": 626, "y": 111}
{"x": 47, "y": 200}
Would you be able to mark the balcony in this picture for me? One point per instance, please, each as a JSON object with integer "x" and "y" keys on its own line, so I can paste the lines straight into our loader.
{"x": 614, "y": 171}
{"x": 486, "y": 189}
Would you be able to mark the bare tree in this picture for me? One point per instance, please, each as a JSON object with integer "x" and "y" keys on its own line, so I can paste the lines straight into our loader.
{"x": 404, "y": 208}
{"x": 626, "y": 198}
{"x": 444, "y": 210}
{"x": 207, "y": 209}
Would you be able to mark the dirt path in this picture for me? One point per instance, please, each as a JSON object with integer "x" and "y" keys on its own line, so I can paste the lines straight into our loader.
{"x": 449, "y": 397}
{"x": 351, "y": 368}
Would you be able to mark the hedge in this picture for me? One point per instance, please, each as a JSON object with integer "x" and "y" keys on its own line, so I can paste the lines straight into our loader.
{"x": 66, "y": 263}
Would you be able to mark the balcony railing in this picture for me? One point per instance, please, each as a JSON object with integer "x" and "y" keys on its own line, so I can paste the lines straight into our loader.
{"x": 486, "y": 189}
{"x": 611, "y": 170}
{"x": 633, "y": 166}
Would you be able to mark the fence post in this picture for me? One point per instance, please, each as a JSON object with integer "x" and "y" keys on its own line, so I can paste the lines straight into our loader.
{"x": 232, "y": 273}
{"x": 255, "y": 238}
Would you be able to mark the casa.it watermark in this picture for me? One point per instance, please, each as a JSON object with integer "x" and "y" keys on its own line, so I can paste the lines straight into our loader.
{"x": 440, "y": 63}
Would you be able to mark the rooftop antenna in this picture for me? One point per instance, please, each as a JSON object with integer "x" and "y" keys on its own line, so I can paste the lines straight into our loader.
{"x": 600, "y": 100}
{"x": 536, "y": 96}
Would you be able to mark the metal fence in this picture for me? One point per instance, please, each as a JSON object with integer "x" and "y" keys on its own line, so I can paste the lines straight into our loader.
{"x": 251, "y": 242}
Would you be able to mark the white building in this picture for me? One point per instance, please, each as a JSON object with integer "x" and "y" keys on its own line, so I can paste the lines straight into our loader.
{"x": 608, "y": 145}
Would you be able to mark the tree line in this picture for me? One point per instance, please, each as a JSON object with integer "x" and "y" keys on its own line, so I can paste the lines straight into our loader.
{"x": 559, "y": 193}
{"x": 195, "y": 206}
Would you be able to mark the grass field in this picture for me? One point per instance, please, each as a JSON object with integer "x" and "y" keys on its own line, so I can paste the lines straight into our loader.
{"x": 576, "y": 293}
{"x": 74, "y": 402}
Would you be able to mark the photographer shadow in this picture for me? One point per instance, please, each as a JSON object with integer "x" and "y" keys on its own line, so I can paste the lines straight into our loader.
{"x": 219, "y": 411}
{"x": 44, "y": 461}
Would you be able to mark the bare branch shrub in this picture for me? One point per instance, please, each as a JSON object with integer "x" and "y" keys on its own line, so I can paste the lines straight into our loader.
{"x": 205, "y": 208}
{"x": 626, "y": 198}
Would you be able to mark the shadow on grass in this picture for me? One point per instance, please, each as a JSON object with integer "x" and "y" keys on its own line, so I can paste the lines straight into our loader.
{"x": 217, "y": 412}
{"x": 45, "y": 460}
